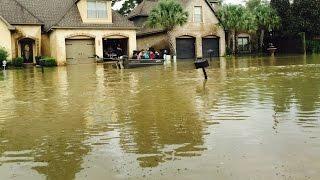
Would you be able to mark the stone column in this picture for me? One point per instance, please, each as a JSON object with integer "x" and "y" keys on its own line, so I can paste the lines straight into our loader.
{"x": 99, "y": 45}
{"x": 132, "y": 45}
{"x": 198, "y": 47}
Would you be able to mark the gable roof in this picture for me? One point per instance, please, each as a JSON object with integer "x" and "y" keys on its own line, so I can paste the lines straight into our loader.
{"x": 52, "y": 13}
{"x": 73, "y": 19}
{"x": 10, "y": 27}
{"x": 14, "y": 13}
{"x": 143, "y": 9}
{"x": 146, "y": 6}
{"x": 48, "y": 11}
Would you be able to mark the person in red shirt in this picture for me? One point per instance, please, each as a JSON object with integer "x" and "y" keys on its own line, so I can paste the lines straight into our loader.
{"x": 152, "y": 55}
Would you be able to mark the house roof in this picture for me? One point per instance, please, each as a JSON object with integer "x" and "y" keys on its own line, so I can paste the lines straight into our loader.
{"x": 15, "y": 13}
{"x": 144, "y": 31}
{"x": 52, "y": 13}
{"x": 10, "y": 27}
{"x": 145, "y": 7}
{"x": 72, "y": 19}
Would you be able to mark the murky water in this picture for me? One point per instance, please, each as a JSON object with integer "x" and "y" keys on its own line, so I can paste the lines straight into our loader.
{"x": 255, "y": 118}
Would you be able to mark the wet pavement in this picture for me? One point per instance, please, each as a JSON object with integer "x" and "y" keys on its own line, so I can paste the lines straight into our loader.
{"x": 255, "y": 118}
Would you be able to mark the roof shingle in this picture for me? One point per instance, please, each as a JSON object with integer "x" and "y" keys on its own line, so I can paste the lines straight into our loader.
{"x": 57, "y": 13}
{"x": 144, "y": 9}
{"x": 15, "y": 13}
{"x": 73, "y": 19}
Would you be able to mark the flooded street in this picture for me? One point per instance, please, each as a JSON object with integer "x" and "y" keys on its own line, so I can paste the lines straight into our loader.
{"x": 255, "y": 118}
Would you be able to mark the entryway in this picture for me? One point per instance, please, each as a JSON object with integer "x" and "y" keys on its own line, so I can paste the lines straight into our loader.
{"x": 210, "y": 43}
{"x": 115, "y": 46}
{"x": 27, "y": 49}
{"x": 80, "y": 51}
{"x": 185, "y": 46}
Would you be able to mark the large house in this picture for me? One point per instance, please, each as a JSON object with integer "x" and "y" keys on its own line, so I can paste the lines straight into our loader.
{"x": 72, "y": 31}
{"x": 194, "y": 39}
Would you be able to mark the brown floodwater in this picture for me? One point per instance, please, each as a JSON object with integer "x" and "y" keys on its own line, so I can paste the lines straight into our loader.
{"x": 255, "y": 118}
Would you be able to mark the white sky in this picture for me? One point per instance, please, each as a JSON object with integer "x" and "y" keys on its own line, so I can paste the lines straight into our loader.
{"x": 119, "y": 4}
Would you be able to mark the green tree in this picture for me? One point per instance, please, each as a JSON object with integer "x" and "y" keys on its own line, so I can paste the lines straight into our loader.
{"x": 283, "y": 9}
{"x": 167, "y": 15}
{"x": 127, "y": 6}
{"x": 306, "y": 15}
{"x": 236, "y": 19}
{"x": 251, "y": 4}
{"x": 3, "y": 54}
{"x": 267, "y": 19}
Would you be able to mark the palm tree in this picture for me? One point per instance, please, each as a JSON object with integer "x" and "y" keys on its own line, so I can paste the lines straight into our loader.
{"x": 167, "y": 15}
{"x": 266, "y": 19}
{"x": 236, "y": 19}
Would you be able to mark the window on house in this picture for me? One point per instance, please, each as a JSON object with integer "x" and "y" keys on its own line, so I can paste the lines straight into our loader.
{"x": 198, "y": 14}
{"x": 243, "y": 44}
{"x": 97, "y": 9}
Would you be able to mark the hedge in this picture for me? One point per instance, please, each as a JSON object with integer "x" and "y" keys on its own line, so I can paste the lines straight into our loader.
{"x": 17, "y": 62}
{"x": 49, "y": 61}
{"x": 3, "y": 54}
{"x": 313, "y": 46}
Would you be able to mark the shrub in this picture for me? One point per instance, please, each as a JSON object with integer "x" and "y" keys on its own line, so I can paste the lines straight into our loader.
{"x": 3, "y": 54}
{"x": 313, "y": 46}
{"x": 49, "y": 61}
{"x": 17, "y": 62}
{"x": 228, "y": 51}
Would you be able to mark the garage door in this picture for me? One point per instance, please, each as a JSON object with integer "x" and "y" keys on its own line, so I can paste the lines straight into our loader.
{"x": 80, "y": 51}
{"x": 211, "y": 43}
{"x": 185, "y": 48}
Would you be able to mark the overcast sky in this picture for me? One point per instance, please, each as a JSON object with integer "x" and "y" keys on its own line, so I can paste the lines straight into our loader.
{"x": 119, "y": 4}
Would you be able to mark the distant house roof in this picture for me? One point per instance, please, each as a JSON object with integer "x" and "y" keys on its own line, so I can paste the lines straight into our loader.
{"x": 143, "y": 9}
{"x": 147, "y": 31}
{"x": 146, "y": 6}
{"x": 52, "y": 13}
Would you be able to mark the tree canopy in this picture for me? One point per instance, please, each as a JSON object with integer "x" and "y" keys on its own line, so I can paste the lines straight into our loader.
{"x": 266, "y": 18}
{"x": 236, "y": 18}
{"x": 306, "y": 16}
{"x": 251, "y": 4}
{"x": 127, "y": 6}
{"x": 284, "y": 12}
{"x": 167, "y": 14}
{"x": 299, "y": 16}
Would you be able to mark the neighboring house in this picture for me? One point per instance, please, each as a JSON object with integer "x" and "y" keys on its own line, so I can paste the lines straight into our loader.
{"x": 201, "y": 33}
{"x": 72, "y": 31}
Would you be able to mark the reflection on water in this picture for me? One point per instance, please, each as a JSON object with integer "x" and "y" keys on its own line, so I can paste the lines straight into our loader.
{"x": 253, "y": 116}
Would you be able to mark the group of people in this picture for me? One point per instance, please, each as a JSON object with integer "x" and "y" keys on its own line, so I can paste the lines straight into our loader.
{"x": 151, "y": 53}
{"x": 146, "y": 54}
{"x": 113, "y": 52}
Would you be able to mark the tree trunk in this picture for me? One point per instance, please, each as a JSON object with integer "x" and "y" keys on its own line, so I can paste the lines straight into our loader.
{"x": 233, "y": 42}
{"x": 229, "y": 37}
{"x": 171, "y": 43}
{"x": 261, "y": 39}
